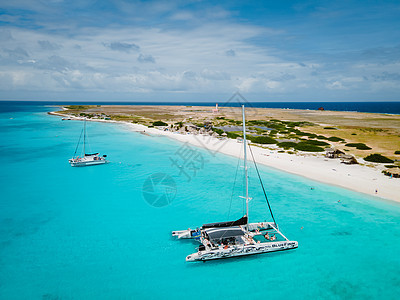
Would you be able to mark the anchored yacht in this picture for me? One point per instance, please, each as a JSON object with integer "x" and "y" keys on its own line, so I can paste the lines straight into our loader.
{"x": 86, "y": 159}
{"x": 237, "y": 238}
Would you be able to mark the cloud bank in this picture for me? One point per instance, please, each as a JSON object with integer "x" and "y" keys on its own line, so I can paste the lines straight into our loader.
{"x": 167, "y": 52}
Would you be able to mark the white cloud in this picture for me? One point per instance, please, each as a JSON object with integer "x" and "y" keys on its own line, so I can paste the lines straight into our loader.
{"x": 142, "y": 58}
{"x": 46, "y": 45}
{"x": 182, "y": 16}
{"x": 123, "y": 47}
{"x": 192, "y": 60}
{"x": 336, "y": 85}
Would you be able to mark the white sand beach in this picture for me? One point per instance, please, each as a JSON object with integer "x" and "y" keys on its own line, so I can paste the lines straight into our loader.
{"x": 360, "y": 178}
{"x": 364, "y": 179}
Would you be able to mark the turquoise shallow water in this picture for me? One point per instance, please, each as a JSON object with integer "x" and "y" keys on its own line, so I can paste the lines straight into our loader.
{"x": 88, "y": 233}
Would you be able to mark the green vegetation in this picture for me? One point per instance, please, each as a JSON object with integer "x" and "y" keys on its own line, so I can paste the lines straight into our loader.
{"x": 77, "y": 107}
{"x": 124, "y": 118}
{"x": 273, "y": 132}
{"x": 180, "y": 125}
{"x": 300, "y": 133}
{"x": 232, "y": 135}
{"x": 258, "y": 130}
{"x": 86, "y": 115}
{"x": 378, "y": 158}
{"x": 374, "y": 130}
{"x": 330, "y": 128}
{"x": 359, "y": 146}
{"x": 391, "y": 166}
{"x": 269, "y": 124}
{"x": 217, "y": 130}
{"x": 316, "y": 143}
{"x": 262, "y": 139}
{"x": 397, "y": 152}
{"x": 159, "y": 123}
{"x": 297, "y": 124}
{"x": 304, "y": 146}
{"x": 287, "y": 145}
{"x": 335, "y": 139}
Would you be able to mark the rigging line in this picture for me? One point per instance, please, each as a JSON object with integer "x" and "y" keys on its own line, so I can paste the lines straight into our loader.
{"x": 234, "y": 183}
{"x": 84, "y": 137}
{"x": 88, "y": 144}
{"x": 77, "y": 145}
{"x": 244, "y": 191}
{"x": 262, "y": 185}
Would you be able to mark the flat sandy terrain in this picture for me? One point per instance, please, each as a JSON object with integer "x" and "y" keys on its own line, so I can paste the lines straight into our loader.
{"x": 378, "y": 131}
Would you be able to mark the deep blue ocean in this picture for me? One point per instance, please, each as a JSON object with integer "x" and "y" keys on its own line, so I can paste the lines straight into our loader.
{"x": 373, "y": 107}
{"x": 89, "y": 233}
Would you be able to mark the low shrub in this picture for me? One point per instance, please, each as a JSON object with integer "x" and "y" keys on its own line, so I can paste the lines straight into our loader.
{"x": 391, "y": 166}
{"x": 397, "y": 152}
{"x": 217, "y": 130}
{"x": 330, "y": 128}
{"x": 317, "y": 143}
{"x": 287, "y": 145}
{"x": 321, "y": 137}
{"x": 359, "y": 146}
{"x": 273, "y": 132}
{"x": 304, "y": 146}
{"x": 232, "y": 135}
{"x": 262, "y": 139}
{"x": 159, "y": 123}
{"x": 378, "y": 158}
{"x": 335, "y": 139}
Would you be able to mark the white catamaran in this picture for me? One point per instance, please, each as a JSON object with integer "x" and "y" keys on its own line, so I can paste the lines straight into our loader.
{"x": 86, "y": 159}
{"x": 237, "y": 238}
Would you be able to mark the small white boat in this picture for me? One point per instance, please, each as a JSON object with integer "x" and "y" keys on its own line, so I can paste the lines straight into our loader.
{"x": 237, "y": 238}
{"x": 86, "y": 159}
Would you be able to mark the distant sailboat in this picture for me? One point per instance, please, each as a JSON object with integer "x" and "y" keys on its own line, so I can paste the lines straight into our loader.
{"x": 86, "y": 159}
{"x": 237, "y": 238}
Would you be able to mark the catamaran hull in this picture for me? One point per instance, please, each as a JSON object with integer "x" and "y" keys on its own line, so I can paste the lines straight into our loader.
{"x": 242, "y": 251}
{"x": 88, "y": 163}
{"x": 191, "y": 234}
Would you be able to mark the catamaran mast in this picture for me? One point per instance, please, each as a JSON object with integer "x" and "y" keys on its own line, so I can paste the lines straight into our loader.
{"x": 84, "y": 137}
{"x": 245, "y": 167}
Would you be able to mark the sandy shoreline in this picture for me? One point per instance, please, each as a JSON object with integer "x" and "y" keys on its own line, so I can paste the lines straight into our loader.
{"x": 358, "y": 178}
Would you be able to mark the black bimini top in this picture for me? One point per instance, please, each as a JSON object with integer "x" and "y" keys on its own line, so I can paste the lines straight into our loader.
{"x": 241, "y": 221}
{"x": 91, "y": 154}
{"x": 224, "y": 233}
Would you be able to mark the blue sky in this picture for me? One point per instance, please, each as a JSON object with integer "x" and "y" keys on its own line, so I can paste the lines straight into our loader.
{"x": 199, "y": 50}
